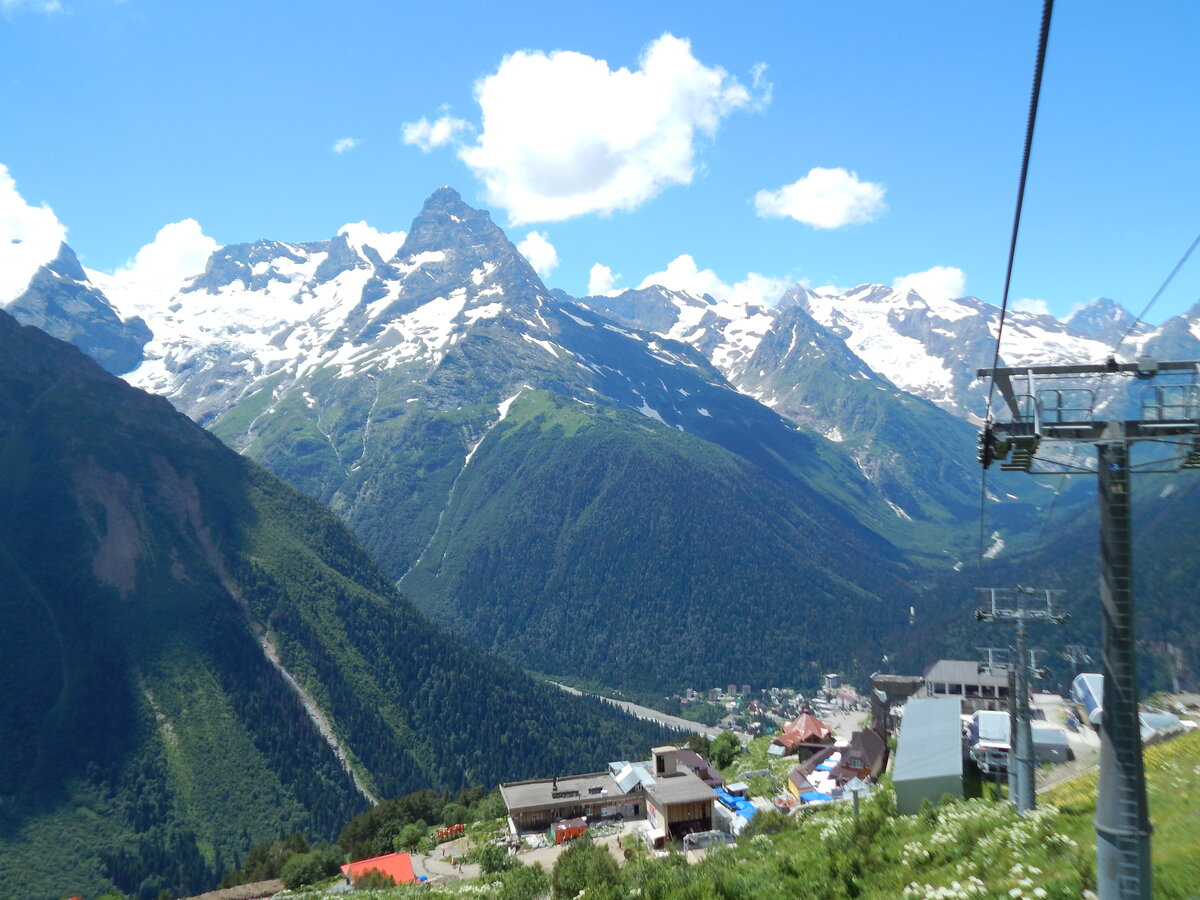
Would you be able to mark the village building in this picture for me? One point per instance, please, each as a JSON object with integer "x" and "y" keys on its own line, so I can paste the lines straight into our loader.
{"x": 396, "y": 866}
{"x": 864, "y": 757}
{"x": 929, "y": 756}
{"x": 804, "y": 735}
{"x": 700, "y": 767}
{"x": 679, "y": 803}
{"x": 534, "y": 805}
{"x": 962, "y": 680}
{"x": 673, "y": 799}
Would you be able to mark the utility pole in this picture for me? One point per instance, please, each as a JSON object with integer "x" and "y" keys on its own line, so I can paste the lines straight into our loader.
{"x": 1009, "y": 604}
{"x": 1170, "y": 417}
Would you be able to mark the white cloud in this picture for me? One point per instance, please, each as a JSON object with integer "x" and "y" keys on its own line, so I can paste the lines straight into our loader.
{"x": 602, "y": 281}
{"x": 540, "y": 252}
{"x": 341, "y": 145}
{"x": 936, "y": 284}
{"x": 385, "y": 243}
{"x": 178, "y": 251}
{"x": 1029, "y": 305}
{"x": 824, "y": 198}
{"x": 564, "y": 135}
{"x": 9, "y": 7}
{"x": 147, "y": 282}
{"x": 427, "y": 135}
{"x": 29, "y": 238}
{"x": 682, "y": 274}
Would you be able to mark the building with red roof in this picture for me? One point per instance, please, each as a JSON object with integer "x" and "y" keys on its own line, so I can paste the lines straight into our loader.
{"x": 804, "y": 729}
{"x": 397, "y": 866}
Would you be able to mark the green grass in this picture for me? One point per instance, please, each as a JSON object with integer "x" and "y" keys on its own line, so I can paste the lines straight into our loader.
{"x": 960, "y": 849}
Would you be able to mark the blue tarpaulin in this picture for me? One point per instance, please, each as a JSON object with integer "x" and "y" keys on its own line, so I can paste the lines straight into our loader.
{"x": 739, "y": 805}
{"x": 814, "y": 797}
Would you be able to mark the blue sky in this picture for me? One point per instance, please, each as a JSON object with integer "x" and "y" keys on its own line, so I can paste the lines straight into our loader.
{"x": 896, "y": 127}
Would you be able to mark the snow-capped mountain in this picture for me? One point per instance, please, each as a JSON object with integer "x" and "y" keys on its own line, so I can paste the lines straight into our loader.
{"x": 1105, "y": 320}
{"x": 928, "y": 348}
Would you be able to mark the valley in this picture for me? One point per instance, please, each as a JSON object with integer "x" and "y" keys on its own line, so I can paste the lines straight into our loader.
{"x": 634, "y": 492}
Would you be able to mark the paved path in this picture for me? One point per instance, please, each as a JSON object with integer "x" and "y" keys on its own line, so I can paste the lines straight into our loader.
{"x": 653, "y": 715}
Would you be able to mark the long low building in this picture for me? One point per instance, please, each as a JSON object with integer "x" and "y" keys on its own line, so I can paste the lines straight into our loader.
{"x": 675, "y": 801}
{"x": 534, "y": 805}
{"x": 929, "y": 758}
{"x": 962, "y": 680}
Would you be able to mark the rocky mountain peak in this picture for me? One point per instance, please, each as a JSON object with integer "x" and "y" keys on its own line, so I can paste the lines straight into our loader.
{"x": 446, "y": 222}
{"x": 66, "y": 264}
{"x": 1102, "y": 320}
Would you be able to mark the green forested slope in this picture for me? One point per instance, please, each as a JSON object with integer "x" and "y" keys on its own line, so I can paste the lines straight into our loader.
{"x": 552, "y": 546}
{"x": 149, "y": 739}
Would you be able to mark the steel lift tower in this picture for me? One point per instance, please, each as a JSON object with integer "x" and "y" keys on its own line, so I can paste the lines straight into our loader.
{"x": 1047, "y": 411}
{"x": 1010, "y": 604}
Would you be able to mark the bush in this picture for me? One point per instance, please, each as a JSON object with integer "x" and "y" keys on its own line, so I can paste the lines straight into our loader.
{"x": 493, "y": 858}
{"x": 584, "y": 865}
{"x": 373, "y": 880}
{"x": 311, "y": 867}
{"x": 410, "y": 836}
{"x": 724, "y": 749}
{"x": 524, "y": 883}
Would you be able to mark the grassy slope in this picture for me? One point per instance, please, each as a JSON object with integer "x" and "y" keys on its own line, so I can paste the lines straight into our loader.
{"x": 971, "y": 849}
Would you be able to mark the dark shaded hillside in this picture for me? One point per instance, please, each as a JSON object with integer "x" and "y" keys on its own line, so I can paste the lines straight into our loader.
{"x": 605, "y": 545}
{"x": 1166, "y": 510}
{"x": 156, "y": 589}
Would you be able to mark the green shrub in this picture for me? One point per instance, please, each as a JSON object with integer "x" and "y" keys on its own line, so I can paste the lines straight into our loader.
{"x": 584, "y": 865}
{"x": 309, "y": 868}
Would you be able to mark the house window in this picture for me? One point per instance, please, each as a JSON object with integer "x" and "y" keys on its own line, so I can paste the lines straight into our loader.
{"x": 956, "y": 689}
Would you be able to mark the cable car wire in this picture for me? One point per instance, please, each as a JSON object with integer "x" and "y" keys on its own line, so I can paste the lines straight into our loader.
{"x": 1157, "y": 294}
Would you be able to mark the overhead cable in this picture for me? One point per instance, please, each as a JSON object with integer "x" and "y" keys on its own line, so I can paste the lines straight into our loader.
{"x": 1157, "y": 294}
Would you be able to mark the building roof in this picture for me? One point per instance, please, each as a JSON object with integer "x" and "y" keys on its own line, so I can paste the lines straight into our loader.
{"x": 799, "y": 780}
{"x": 699, "y": 765}
{"x": 804, "y": 729}
{"x": 682, "y": 787}
{"x": 866, "y": 745}
{"x": 930, "y": 741}
{"x": 1048, "y": 736}
{"x": 521, "y": 796}
{"x": 962, "y": 671}
{"x": 397, "y": 866}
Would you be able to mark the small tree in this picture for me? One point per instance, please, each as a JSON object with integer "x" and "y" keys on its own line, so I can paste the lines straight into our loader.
{"x": 493, "y": 858}
{"x": 584, "y": 865}
{"x": 701, "y": 745}
{"x": 725, "y": 749}
{"x": 410, "y": 836}
{"x": 373, "y": 880}
{"x": 309, "y": 868}
{"x": 524, "y": 883}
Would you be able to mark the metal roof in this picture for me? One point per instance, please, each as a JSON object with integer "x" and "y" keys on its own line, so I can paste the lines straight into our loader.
{"x": 930, "y": 742}
{"x": 682, "y": 787}
{"x": 961, "y": 671}
{"x": 547, "y": 793}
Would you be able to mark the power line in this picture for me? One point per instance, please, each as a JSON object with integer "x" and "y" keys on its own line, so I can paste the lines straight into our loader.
{"x": 985, "y": 445}
{"x": 1157, "y": 294}
{"x": 1043, "y": 38}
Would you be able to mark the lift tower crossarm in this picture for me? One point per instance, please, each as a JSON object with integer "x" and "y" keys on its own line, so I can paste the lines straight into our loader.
{"x": 1172, "y": 417}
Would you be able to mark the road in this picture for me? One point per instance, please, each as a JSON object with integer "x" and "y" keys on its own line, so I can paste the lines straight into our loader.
{"x": 653, "y": 715}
